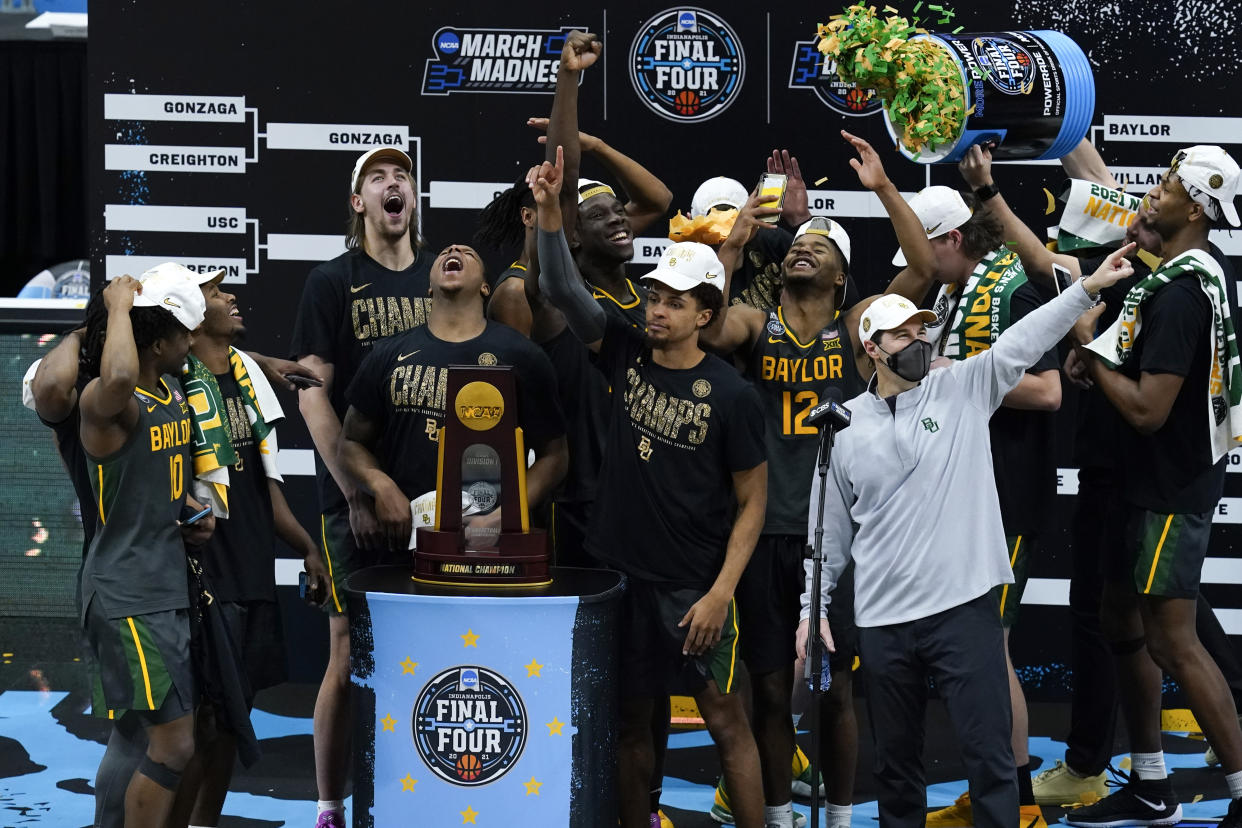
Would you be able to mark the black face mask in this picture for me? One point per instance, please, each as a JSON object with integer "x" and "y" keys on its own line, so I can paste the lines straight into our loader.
{"x": 912, "y": 362}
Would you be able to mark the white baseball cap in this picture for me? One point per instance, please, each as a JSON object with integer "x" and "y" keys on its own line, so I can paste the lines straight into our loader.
{"x": 393, "y": 154}
{"x": 888, "y": 312}
{"x": 940, "y": 209}
{"x": 1213, "y": 175}
{"x": 589, "y": 188}
{"x": 687, "y": 264}
{"x": 718, "y": 192}
{"x": 170, "y": 269}
{"x": 822, "y": 226}
{"x": 175, "y": 288}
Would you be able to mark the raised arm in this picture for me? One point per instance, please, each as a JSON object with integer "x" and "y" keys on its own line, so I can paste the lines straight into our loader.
{"x": 113, "y": 393}
{"x": 795, "y": 209}
{"x": 559, "y": 281}
{"x": 1084, "y": 162}
{"x": 1037, "y": 260}
{"x": 55, "y": 380}
{"x": 915, "y": 279}
{"x": 989, "y": 376}
{"x": 738, "y": 325}
{"x": 580, "y": 51}
{"x": 649, "y": 198}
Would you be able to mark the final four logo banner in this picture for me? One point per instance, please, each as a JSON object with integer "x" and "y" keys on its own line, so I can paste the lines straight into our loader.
{"x": 474, "y": 715}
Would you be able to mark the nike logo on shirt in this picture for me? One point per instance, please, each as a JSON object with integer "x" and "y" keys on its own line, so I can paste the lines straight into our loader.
{"x": 356, "y": 288}
{"x": 404, "y": 357}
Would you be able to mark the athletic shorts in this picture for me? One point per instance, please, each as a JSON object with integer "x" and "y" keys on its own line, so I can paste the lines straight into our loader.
{"x": 140, "y": 663}
{"x": 343, "y": 557}
{"x": 769, "y": 597}
{"x": 1163, "y": 553}
{"x": 652, "y": 664}
{"x": 1008, "y": 597}
{"x": 258, "y": 635}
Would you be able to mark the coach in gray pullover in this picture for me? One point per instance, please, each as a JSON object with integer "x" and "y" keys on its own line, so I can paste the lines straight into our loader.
{"x": 914, "y": 473}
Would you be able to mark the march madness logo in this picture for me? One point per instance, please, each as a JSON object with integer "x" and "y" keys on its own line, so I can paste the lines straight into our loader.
{"x": 687, "y": 64}
{"x": 469, "y": 725}
{"x": 495, "y": 60}
{"x": 812, "y": 70}
{"x": 1008, "y": 66}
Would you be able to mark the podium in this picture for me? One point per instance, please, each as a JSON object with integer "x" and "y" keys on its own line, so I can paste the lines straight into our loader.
{"x": 484, "y": 705}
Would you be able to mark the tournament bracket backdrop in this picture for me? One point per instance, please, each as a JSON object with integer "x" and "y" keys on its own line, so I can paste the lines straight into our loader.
{"x": 225, "y": 135}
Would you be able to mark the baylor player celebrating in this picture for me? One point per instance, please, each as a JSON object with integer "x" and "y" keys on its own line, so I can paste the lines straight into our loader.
{"x": 136, "y": 436}
{"x": 795, "y": 352}
{"x": 396, "y": 402}
{"x": 685, "y": 438}
{"x": 377, "y": 288}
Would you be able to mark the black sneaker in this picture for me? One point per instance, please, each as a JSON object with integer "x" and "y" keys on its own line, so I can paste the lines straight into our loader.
{"x": 1137, "y": 802}
{"x": 1233, "y": 819}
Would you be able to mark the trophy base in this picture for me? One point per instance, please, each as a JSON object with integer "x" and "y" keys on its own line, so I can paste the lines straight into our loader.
{"x": 521, "y": 560}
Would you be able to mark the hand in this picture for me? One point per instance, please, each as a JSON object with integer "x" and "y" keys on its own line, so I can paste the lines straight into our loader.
{"x": 804, "y": 634}
{"x": 795, "y": 208}
{"x": 278, "y": 371}
{"x": 317, "y": 579}
{"x": 705, "y": 619}
{"x": 545, "y": 181}
{"x": 364, "y": 524}
{"x": 580, "y": 52}
{"x": 868, "y": 166}
{"x": 392, "y": 510}
{"x": 198, "y": 532}
{"x": 976, "y": 166}
{"x": 120, "y": 292}
{"x": 1084, "y": 327}
{"x": 750, "y": 220}
{"x": 1075, "y": 370}
{"x": 587, "y": 143}
{"x": 1115, "y": 268}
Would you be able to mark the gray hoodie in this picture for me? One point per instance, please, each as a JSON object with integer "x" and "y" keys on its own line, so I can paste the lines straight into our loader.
{"x": 918, "y": 484}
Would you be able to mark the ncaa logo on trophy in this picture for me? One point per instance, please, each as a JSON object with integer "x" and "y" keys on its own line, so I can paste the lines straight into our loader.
{"x": 687, "y": 64}
{"x": 469, "y": 725}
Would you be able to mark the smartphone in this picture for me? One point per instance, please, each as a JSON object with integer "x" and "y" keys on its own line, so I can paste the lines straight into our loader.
{"x": 773, "y": 184}
{"x": 196, "y": 518}
{"x": 303, "y": 382}
{"x": 1061, "y": 277}
{"x": 307, "y": 591}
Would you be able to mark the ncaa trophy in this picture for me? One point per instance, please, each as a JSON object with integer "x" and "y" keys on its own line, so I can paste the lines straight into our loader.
{"x": 482, "y": 455}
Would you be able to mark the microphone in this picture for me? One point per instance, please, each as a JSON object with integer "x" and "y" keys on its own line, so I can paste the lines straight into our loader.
{"x": 830, "y": 413}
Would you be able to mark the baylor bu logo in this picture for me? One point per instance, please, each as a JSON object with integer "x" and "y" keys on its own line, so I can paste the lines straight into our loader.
{"x": 469, "y": 725}
{"x": 479, "y": 405}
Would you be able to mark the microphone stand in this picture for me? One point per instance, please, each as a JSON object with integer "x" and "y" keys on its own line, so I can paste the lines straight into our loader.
{"x": 815, "y": 646}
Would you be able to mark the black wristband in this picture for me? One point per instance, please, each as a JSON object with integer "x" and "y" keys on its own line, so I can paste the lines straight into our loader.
{"x": 986, "y": 191}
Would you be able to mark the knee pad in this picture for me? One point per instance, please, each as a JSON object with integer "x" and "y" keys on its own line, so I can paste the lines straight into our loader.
{"x": 162, "y": 775}
{"x": 1125, "y": 648}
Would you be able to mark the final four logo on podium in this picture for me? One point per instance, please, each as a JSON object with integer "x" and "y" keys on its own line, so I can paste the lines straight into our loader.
{"x": 469, "y": 725}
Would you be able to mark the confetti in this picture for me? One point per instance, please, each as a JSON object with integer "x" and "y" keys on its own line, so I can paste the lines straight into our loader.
{"x": 918, "y": 81}
{"x": 821, "y": 181}
{"x": 1052, "y": 203}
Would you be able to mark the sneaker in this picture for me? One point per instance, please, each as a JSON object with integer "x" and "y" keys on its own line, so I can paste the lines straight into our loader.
{"x": 802, "y": 775}
{"x": 957, "y": 815}
{"x": 721, "y": 812}
{"x": 1233, "y": 818}
{"x": 1137, "y": 802}
{"x": 1058, "y": 786}
{"x": 331, "y": 819}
